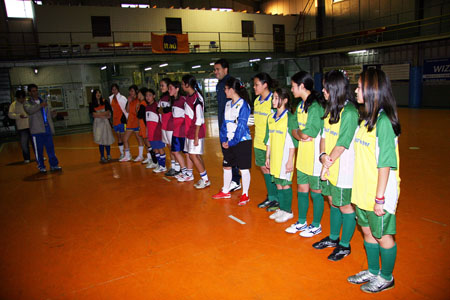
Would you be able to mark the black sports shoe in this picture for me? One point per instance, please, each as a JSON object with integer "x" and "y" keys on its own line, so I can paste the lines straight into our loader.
{"x": 273, "y": 205}
{"x": 264, "y": 203}
{"x": 171, "y": 172}
{"x": 339, "y": 253}
{"x": 326, "y": 243}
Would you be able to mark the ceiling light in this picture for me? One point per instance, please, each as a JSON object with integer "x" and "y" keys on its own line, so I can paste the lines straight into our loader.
{"x": 36, "y": 71}
{"x": 358, "y": 52}
{"x": 163, "y": 65}
{"x": 268, "y": 57}
{"x": 196, "y": 67}
{"x": 211, "y": 64}
{"x": 148, "y": 69}
{"x": 103, "y": 68}
{"x": 254, "y": 60}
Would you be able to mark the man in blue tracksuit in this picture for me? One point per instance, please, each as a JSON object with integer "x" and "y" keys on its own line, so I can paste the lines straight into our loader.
{"x": 41, "y": 128}
{"x": 221, "y": 68}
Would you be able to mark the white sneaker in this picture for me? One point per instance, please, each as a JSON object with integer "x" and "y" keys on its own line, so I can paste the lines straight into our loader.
{"x": 138, "y": 159}
{"x": 201, "y": 184}
{"x": 276, "y": 214}
{"x": 125, "y": 158}
{"x": 311, "y": 231}
{"x": 284, "y": 217}
{"x": 160, "y": 169}
{"x": 185, "y": 178}
{"x": 234, "y": 186}
{"x": 294, "y": 228}
{"x": 151, "y": 165}
{"x": 121, "y": 156}
{"x": 145, "y": 161}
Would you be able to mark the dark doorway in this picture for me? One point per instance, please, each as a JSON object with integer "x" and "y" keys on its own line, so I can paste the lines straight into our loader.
{"x": 278, "y": 38}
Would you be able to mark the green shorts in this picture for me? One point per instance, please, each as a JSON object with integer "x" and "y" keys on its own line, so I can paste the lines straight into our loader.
{"x": 313, "y": 181}
{"x": 379, "y": 226}
{"x": 325, "y": 187}
{"x": 260, "y": 157}
{"x": 340, "y": 196}
{"x": 282, "y": 182}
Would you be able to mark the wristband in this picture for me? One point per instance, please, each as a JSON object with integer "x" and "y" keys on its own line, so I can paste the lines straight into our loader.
{"x": 320, "y": 156}
{"x": 379, "y": 200}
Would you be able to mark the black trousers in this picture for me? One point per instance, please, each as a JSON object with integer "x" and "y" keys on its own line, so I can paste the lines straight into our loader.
{"x": 25, "y": 141}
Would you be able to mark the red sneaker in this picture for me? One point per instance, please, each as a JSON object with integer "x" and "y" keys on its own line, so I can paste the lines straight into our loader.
{"x": 221, "y": 195}
{"x": 244, "y": 200}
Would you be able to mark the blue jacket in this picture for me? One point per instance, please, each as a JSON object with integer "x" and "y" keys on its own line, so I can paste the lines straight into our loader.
{"x": 221, "y": 99}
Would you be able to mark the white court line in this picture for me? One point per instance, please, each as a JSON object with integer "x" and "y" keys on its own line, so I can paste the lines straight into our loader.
{"x": 167, "y": 179}
{"x": 236, "y": 219}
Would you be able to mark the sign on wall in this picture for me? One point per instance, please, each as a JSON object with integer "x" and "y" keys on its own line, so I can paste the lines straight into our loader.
{"x": 170, "y": 43}
{"x": 436, "y": 69}
{"x": 394, "y": 72}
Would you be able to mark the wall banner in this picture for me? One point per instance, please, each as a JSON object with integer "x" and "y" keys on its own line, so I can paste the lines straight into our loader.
{"x": 170, "y": 43}
{"x": 436, "y": 69}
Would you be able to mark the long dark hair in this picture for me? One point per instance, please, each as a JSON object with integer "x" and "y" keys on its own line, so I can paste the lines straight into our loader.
{"x": 284, "y": 94}
{"x": 176, "y": 84}
{"x": 265, "y": 78}
{"x": 192, "y": 82}
{"x": 377, "y": 94}
{"x": 338, "y": 87}
{"x": 143, "y": 90}
{"x": 135, "y": 88}
{"x": 94, "y": 98}
{"x": 238, "y": 87}
{"x": 308, "y": 83}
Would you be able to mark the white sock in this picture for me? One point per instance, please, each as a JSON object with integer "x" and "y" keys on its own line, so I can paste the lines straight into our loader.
{"x": 121, "y": 149}
{"x": 149, "y": 156}
{"x": 172, "y": 164}
{"x": 245, "y": 181}
{"x": 177, "y": 167}
{"x": 141, "y": 150}
{"x": 127, "y": 153}
{"x": 227, "y": 176}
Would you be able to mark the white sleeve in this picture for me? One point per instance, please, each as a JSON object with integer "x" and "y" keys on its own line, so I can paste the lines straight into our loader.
{"x": 123, "y": 103}
{"x": 200, "y": 115}
{"x": 289, "y": 142}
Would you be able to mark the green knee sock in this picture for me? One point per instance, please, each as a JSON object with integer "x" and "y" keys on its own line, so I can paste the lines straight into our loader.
{"x": 335, "y": 222}
{"x": 373, "y": 257}
{"x": 388, "y": 257}
{"x": 318, "y": 204}
{"x": 286, "y": 204}
{"x": 303, "y": 203}
{"x": 348, "y": 228}
{"x": 271, "y": 187}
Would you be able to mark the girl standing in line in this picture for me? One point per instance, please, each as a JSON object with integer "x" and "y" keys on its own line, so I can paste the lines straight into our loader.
{"x": 132, "y": 125}
{"x": 179, "y": 132}
{"x": 376, "y": 184}
{"x": 101, "y": 111}
{"x": 236, "y": 139}
{"x": 120, "y": 115}
{"x": 165, "y": 112}
{"x": 154, "y": 131}
{"x": 337, "y": 158}
{"x": 262, "y": 83}
{"x": 143, "y": 128}
{"x": 280, "y": 152}
{"x": 195, "y": 132}
{"x": 309, "y": 117}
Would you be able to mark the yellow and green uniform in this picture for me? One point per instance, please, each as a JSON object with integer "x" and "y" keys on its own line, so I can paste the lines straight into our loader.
{"x": 310, "y": 123}
{"x": 341, "y": 134}
{"x": 374, "y": 150}
{"x": 279, "y": 139}
{"x": 262, "y": 109}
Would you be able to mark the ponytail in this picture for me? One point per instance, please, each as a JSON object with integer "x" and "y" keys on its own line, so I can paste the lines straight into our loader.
{"x": 239, "y": 88}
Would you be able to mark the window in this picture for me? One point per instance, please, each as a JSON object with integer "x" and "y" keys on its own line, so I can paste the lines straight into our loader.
{"x": 19, "y": 9}
{"x": 101, "y": 26}
{"x": 173, "y": 25}
{"x": 248, "y": 29}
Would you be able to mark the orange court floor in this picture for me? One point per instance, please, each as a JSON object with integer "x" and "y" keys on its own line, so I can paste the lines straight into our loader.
{"x": 119, "y": 231}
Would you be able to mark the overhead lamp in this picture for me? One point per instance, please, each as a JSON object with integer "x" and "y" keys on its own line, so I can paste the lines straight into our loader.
{"x": 148, "y": 69}
{"x": 103, "y": 68}
{"x": 211, "y": 64}
{"x": 358, "y": 52}
{"x": 36, "y": 70}
{"x": 268, "y": 58}
{"x": 163, "y": 65}
{"x": 254, "y": 60}
{"x": 196, "y": 67}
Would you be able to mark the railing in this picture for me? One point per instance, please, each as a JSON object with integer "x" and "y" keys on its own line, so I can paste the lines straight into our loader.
{"x": 425, "y": 28}
{"x": 76, "y": 44}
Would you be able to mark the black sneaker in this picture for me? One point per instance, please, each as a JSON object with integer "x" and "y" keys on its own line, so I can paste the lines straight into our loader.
{"x": 103, "y": 160}
{"x": 55, "y": 169}
{"x": 171, "y": 173}
{"x": 326, "y": 243}
{"x": 264, "y": 203}
{"x": 339, "y": 253}
{"x": 273, "y": 205}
